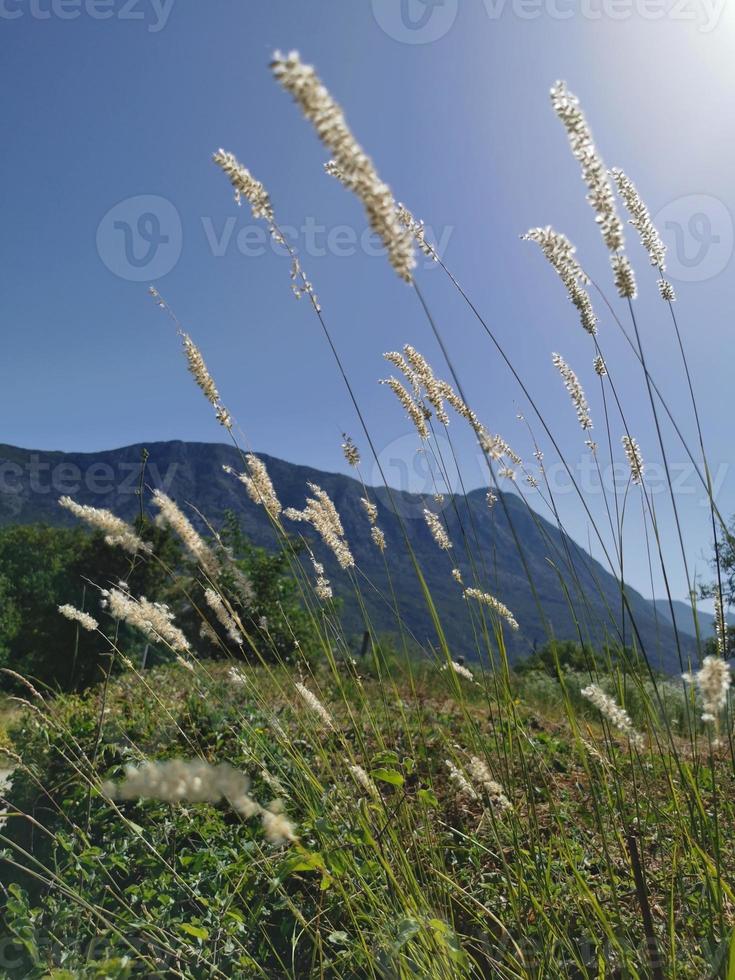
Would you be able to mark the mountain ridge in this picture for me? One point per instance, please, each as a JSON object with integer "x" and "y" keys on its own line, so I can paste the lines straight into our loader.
{"x": 31, "y": 481}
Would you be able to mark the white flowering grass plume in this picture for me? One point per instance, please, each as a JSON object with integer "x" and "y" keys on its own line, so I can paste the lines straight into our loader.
{"x": 259, "y": 485}
{"x": 464, "y": 788}
{"x": 421, "y": 375}
{"x": 498, "y": 607}
{"x": 322, "y": 585}
{"x": 313, "y": 703}
{"x": 414, "y": 411}
{"x": 196, "y": 364}
{"x": 459, "y": 669}
{"x": 479, "y": 787}
{"x": 370, "y": 509}
{"x": 483, "y": 779}
{"x": 117, "y": 533}
{"x": 576, "y": 392}
{"x": 86, "y": 621}
{"x": 364, "y": 781}
{"x": 253, "y": 191}
{"x": 354, "y": 167}
{"x": 417, "y": 229}
{"x": 236, "y": 677}
{"x": 179, "y": 781}
{"x": 559, "y": 252}
{"x": 378, "y": 538}
{"x": 204, "y": 379}
{"x": 437, "y": 529}
{"x": 635, "y": 458}
{"x": 640, "y": 219}
{"x": 610, "y": 709}
{"x": 216, "y": 603}
{"x": 624, "y": 277}
{"x": 600, "y": 193}
{"x": 245, "y": 185}
{"x": 321, "y": 513}
{"x": 207, "y": 633}
{"x": 720, "y": 625}
{"x": 376, "y": 534}
{"x": 154, "y": 619}
{"x": 171, "y": 516}
{"x": 428, "y": 397}
{"x": 350, "y": 451}
{"x": 277, "y": 828}
{"x": 713, "y": 681}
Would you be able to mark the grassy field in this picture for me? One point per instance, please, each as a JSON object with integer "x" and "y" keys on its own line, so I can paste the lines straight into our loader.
{"x": 471, "y": 840}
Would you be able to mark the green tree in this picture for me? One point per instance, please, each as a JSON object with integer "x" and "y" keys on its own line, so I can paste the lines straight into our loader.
{"x": 275, "y": 617}
{"x": 42, "y": 568}
{"x": 574, "y": 656}
{"x": 568, "y": 654}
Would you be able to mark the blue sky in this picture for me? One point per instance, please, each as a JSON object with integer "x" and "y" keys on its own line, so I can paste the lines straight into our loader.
{"x": 118, "y": 104}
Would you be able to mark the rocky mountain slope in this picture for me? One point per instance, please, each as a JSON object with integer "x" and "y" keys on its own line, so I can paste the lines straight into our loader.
{"x": 511, "y": 546}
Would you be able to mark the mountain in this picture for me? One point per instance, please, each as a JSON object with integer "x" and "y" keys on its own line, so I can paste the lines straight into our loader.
{"x": 562, "y": 573}
{"x": 685, "y": 618}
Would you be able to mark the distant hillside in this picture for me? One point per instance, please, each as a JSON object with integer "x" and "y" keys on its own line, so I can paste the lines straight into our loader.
{"x": 685, "y": 618}
{"x": 31, "y": 483}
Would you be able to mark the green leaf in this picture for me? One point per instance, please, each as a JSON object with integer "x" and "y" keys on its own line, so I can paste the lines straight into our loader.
{"x": 196, "y": 931}
{"x": 427, "y": 796}
{"x": 407, "y": 929}
{"x": 391, "y": 776}
{"x": 338, "y": 862}
{"x": 447, "y": 937}
{"x": 304, "y": 862}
